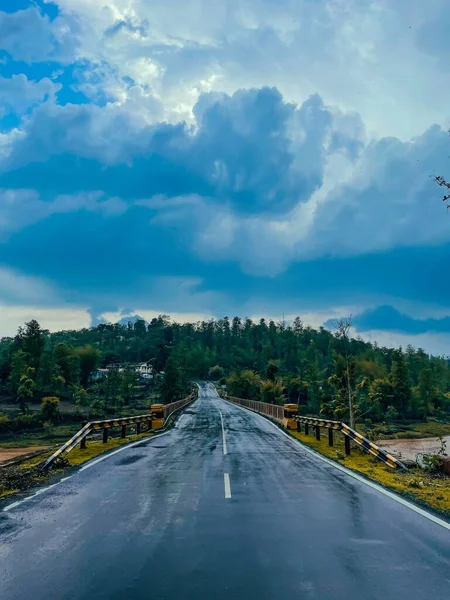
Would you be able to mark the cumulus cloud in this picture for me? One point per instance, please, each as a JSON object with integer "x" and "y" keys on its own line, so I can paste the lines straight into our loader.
{"x": 253, "y": 167}
{"x": 274, "y": 155}
{"x": 29, "y": 36}
{"x": 251, "y": 151}
{"x": 18, "y": 93}
{"x": 363, "y": 55}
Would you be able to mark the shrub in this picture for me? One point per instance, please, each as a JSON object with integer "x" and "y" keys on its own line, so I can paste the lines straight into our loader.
{"x": 215, "y": 373}
{"x": 33, "y": 421}
{"x": 4, "y": 423}
{"x": 50, "y": 408}
{"x": 48, "y": 427}
{"x": 391, "y": 414}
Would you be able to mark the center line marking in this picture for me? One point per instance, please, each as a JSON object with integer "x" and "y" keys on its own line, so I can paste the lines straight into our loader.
{"x": 224, "y": 440}
{"x": 226, "y": 481}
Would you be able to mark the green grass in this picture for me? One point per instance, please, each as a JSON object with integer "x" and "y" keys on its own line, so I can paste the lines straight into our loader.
{"x": 414, "y": 430}
{"x": 20, "y": 477}
{"x": 39, "y": 437}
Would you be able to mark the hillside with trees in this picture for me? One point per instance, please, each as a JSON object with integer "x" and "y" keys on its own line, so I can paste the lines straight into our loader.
{"x": 272, "y": 362}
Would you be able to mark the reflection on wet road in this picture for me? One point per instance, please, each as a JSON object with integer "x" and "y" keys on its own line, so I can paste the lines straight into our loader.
{"x": 223, "y": 506}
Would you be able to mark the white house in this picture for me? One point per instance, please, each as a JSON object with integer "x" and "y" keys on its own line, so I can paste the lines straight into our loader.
{"x": 144, "y": 368}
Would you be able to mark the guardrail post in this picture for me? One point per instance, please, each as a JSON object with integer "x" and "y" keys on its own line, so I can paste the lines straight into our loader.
{"x": 299, "y": 426}
{"x": 317, "y": 432}
{"x": 138, "y": 428}
{"x": 330, "y": 437}
{"x": 83, "y": 439}
{"x": 306, "y": 429}
{"x": 105, "y": 434}
{"x": 124, "y": 431}
{"x": 347, "y": 445}
{"x": 149, "y": 425}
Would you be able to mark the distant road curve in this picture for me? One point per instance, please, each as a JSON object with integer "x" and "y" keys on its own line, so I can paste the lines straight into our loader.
{"x": 223, "y": 506}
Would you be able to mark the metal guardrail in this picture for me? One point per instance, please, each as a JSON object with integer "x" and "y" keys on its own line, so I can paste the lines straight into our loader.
{"x": 106, "y": 424}
{"x": 282, "y": 416}
{"x": 274, "y": 411}
{"x": 349, "y": 434}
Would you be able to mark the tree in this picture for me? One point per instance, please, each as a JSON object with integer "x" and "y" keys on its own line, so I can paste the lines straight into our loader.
{"x": 129, "y": 380}
{"x": 171, "y": 389}
{"x": 50, "y": 408}
{"x": 272, "y": 392}
{"x": 380, "y": 396}
{"x": 427, "y": 391}
{"x": 215, "y": 373}
{"x": 112, "y": 388}
{"x": 26, "y": 389}
{"x": 400, "y": 383}
{"x": 244, "y": 384}
{"x": 391, "y": 414}
{"x": 80, "y": 397}
{"x": 68, "y": 362}
{"x": 343, "y": 328}
{"x": 89, "y": 358}
{"x": 19, "y": 365}
{"x": 446, "y": 185}
{"x": 31, "y": 340}
{"x": 272, "y": 369}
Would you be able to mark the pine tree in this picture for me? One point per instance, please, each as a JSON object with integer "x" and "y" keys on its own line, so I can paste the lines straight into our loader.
{"x": 401, "y": 396}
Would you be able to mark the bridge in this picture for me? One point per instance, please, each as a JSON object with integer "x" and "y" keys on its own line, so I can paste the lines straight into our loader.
{"x": 223, "y": 505}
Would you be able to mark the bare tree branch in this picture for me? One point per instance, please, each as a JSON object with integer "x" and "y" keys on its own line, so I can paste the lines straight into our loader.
{"x": 342, "y": 329}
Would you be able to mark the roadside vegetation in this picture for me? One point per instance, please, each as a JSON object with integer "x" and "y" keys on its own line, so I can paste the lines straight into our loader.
{"x": 429, "y": 489}
{"x": 51, "y": 382}
{"x": 27, "y": 474}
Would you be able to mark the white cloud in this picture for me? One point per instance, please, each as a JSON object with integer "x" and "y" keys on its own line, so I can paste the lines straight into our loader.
{"x": 362, "y": 55}
{"x": 18, "y": 288}
{"x": 385, "y": 200}
{"x": 29, "y": 36}
{"x": 18, "y": 93}
{"x": 434, "y": 343}
{"x": 54, "y": 319}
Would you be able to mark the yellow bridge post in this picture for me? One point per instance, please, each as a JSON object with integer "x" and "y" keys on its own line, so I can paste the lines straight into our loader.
{"x": 290, "y": 412}
{"x": 157, "y": 416}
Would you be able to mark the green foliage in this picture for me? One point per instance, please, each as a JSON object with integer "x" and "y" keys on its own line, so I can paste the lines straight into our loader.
{"x": 272, "y": 392}
{"x": 391, "y": 414}
{"x": 304, "y": 365}
{"x": 401, "y": 396}
{"x": 50, "y": 409}
{"x": 244, "y": 384}
{"x": 26, "y": 389}
{"x": 89, "y": 359}
{"x": 215, "y": 373}
{"x": 273, "y": 366}
{"x": 174, "y": 385}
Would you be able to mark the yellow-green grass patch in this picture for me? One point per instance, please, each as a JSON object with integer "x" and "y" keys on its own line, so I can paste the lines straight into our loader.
{"x": 415, "y": 484}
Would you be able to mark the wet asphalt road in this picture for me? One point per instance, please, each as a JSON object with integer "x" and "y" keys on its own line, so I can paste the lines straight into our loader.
{"x": 154, "y": 522}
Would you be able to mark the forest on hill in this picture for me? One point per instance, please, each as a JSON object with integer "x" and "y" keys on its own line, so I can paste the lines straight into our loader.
{"x": 272, "y": 362}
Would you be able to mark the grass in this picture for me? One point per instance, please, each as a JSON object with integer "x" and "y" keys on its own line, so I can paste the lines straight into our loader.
{"x": 21, "y": 477}
{"x": 432, "y": 491}
{"x": 39, "y": 437}
{"x": 78, "y": 455}
{"x": 428, "y": 429}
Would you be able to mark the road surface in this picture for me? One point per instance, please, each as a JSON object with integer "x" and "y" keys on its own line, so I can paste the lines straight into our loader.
{"x": 224, "y": 506}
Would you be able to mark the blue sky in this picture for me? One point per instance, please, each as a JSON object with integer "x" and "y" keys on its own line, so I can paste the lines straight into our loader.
{"x": 254, "y": 157}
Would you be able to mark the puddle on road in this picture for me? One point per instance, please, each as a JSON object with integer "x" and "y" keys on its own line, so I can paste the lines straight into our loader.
{"x": 131, "y": 459}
